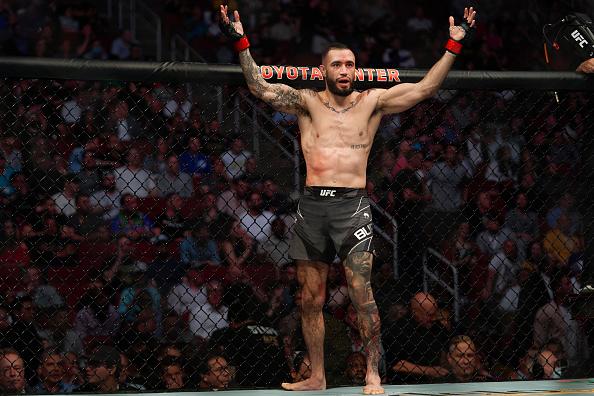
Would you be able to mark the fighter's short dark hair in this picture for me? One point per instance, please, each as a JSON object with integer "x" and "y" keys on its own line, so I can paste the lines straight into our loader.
{"x": 332, "y": 46}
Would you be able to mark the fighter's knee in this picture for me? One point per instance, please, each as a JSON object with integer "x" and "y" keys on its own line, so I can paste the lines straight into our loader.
{"x": 311, "y": 303}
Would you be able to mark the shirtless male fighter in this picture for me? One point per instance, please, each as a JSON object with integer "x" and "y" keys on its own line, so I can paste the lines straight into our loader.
{"x": 337, "y": 128}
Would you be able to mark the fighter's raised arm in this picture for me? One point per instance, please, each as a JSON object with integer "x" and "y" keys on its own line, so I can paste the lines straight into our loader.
{"x": 280, "y": 96}
{"x": 402, "y": 97}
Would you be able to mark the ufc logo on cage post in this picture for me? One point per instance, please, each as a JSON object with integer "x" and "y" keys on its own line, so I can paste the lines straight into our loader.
{"x": 579, "y": 38}
{"x": 363, "y": 232}
{"x": 327, "y": 193}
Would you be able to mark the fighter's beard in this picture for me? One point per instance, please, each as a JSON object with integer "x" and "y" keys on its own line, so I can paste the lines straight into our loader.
{"x": 333, "y": 88}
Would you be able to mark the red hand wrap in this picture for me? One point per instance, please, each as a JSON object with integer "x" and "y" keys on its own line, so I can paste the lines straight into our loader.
{"x": 453, "y": 46}
{"x": 241, "y": 44}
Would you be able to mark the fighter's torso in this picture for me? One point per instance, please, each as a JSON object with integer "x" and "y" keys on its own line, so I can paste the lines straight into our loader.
{"x": 336, "y": 141}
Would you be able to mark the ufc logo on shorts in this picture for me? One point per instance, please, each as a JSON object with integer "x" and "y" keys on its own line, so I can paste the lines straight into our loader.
{"x": 327, "y": 193}
{"x": 363, "y": 232}
{"x": 579, "y": 38}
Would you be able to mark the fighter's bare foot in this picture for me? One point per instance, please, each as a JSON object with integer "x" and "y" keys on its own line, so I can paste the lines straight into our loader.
{"x": 306, "y": 385}
{"x": 373, "y": 390}
{"x": 373, "y": 385}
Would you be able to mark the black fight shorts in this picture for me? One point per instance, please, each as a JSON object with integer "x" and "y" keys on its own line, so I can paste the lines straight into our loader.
{"x": 331, "y": 221}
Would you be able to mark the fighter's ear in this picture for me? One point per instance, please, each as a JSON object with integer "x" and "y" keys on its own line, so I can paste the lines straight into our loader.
{"x": 323, "y": 70}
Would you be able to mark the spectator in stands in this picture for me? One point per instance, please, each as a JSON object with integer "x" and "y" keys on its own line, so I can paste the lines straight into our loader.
{"x": 107, "y": 199}
{"x": 237, "y": 248}
{"x": 503, "y": 271}
{"x": 193, "y": 161}
{"x": 522, "y": 221}
{"x": 23, "y": 313}
{"x": 96, "y": 51}
{"x": 477, "y": 211}
{"x": 411, "y": 195}
{"x": 130, "y": 221}
{"x": 546, "y": 366}
{"x": 72, "y": 374}
{"x": 171, "y": 224}
{"x": 24, "y": 200}
{"x": 89, "y": 175}
{"x": 256, "y": 221}
{"x": 465, "y": 254}
{"x": 175, "y": 330}
{"x": 173, "y": 376}
{"x": 276, "y": 247}
{"x": 215, "y": 373}
{"x": 524, "y": 371}
{"x": 253, "y": 174}
{"x": 173, "y": 181}
{"x": 9, "y": 149}
{"x": 419, "y": 22}
{"x": 97, "y": 319}
{"x": 179, "y": 104}
{"x": 126, "y": 372}
{"x": 567, "y": 207}
{"x": 356, "y": 368}
{"x": 235, "y": 158}
{"x": 554, "y": 320}
{"x": 138, "y": 294}
{"x": 66, "y": 199}
{"x": 133, "y": 178}
{"x": 157, "y": 161}
{"x": 6, "y": 173}
{"x": 560, "y": 243}
{"x": 445, "y": 178}
{"x": 492, "y": 239}
{"x": 463, "y": 361}
{"x": 247, "y": 336}
{"x": 501, "y": 169}
{"x": 102, "y": 369}
{"x": 415, "y": 344}
{"x": 188, "y": 293}
{"x": 12, "y": 372}
{"x": 232, "y": 201}
{"x": 42, "y": 294}
{"x": 13, "y": 251}
{"x": 86, "y": 221}
{"x": 123, "y": 124}
{"x": 212, "y": 315}
{"x": 50, "y": 373}
{"x": 56, "y": 332}
{"x": 122, "y": 45}
{"x": 199, "y": 249}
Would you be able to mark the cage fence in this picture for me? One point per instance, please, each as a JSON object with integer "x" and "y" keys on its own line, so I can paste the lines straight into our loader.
{"x": 146, "y": 226}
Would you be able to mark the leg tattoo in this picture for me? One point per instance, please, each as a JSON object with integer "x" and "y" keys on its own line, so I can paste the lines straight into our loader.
{"x": 358, "y": 274}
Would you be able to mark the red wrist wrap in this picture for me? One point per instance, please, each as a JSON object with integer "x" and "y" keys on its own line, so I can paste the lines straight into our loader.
{"x": 241, "y": 44}
{"x": 453, "y": 46}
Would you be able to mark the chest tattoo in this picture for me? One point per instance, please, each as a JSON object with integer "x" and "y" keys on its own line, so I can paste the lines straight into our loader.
{"x": 327, "y": 104}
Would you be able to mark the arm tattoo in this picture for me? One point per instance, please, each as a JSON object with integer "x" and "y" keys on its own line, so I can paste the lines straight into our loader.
{"x": 279, "y": 96}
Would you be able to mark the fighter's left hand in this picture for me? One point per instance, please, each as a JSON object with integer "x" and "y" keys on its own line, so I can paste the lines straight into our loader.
{"x": 457, "y": 32}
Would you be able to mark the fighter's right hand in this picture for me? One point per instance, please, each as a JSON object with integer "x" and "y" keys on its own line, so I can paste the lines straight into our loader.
{"x": 233, "y": 30}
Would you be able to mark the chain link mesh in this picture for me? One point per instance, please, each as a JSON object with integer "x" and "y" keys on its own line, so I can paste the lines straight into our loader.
{"x": 146, "y": 227}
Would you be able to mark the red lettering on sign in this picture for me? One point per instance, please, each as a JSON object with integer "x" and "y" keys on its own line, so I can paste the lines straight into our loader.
{"x": 292, "y": 73}
{"x": 266, "y": 72}
{"x": 381, "y": 75}
{"x": 279, "y": 70}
